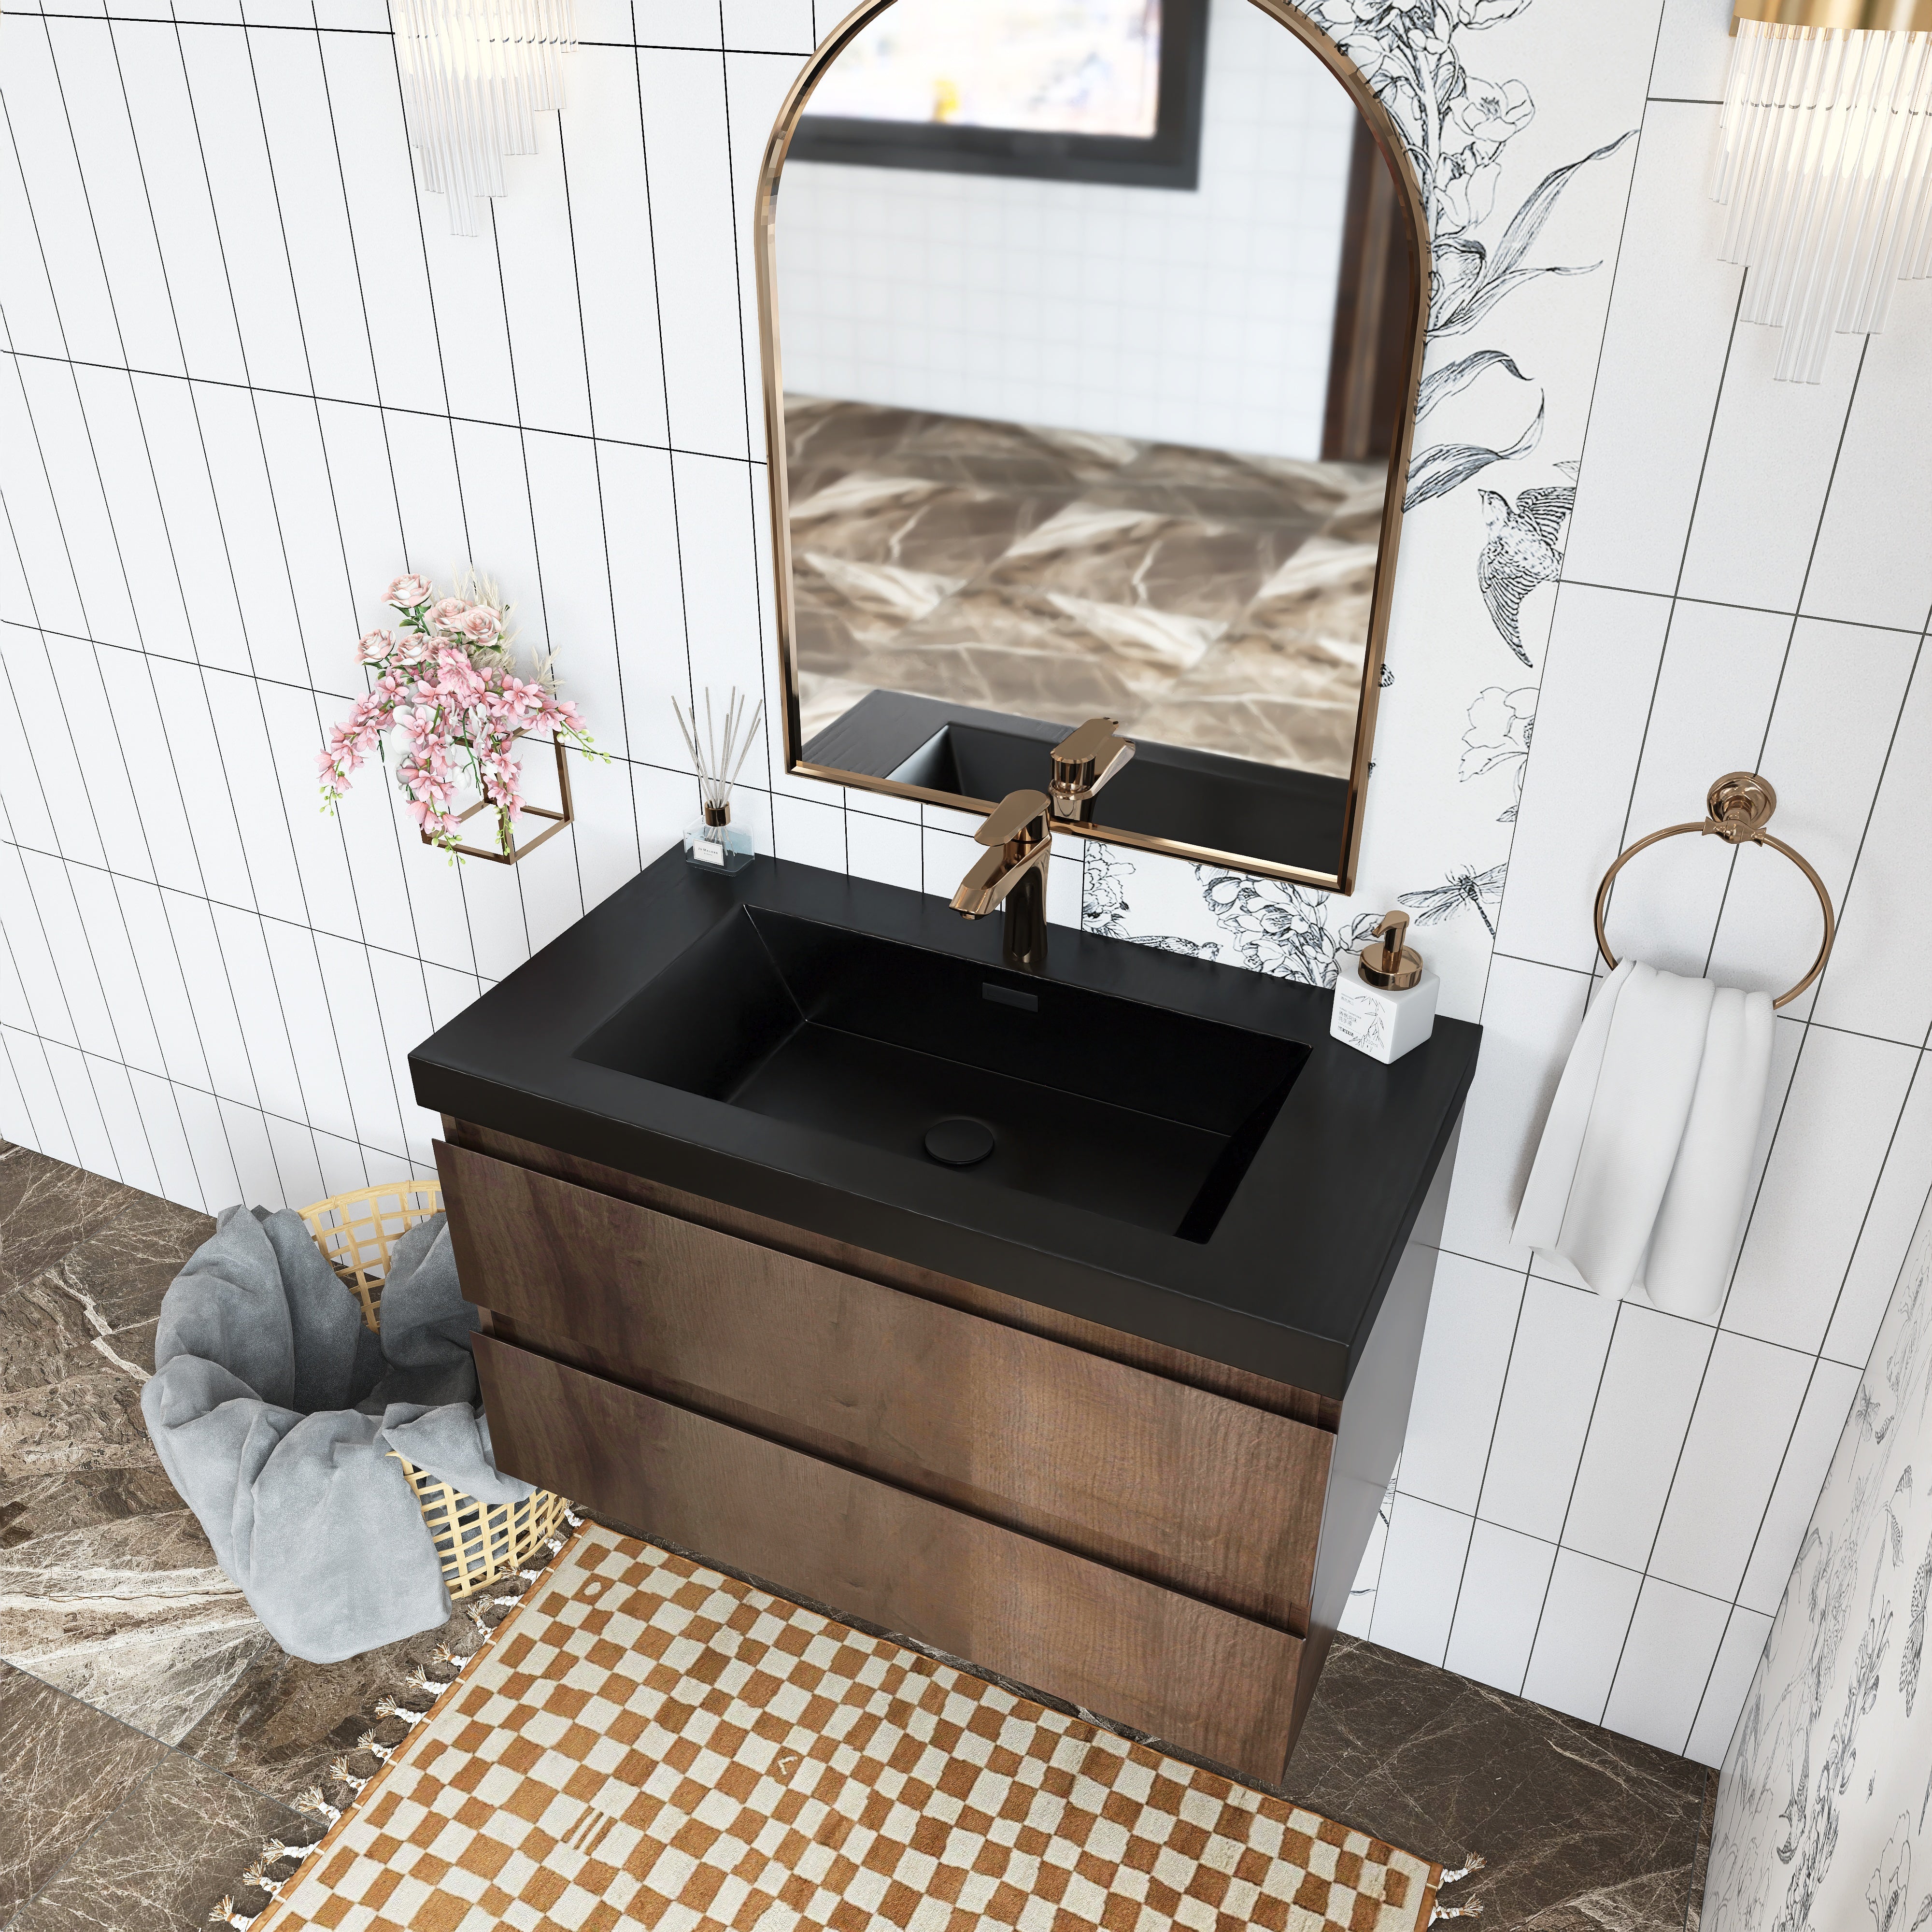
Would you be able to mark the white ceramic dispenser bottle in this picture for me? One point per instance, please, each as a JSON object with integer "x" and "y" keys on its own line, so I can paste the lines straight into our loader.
{"x": 1384, "y": 996}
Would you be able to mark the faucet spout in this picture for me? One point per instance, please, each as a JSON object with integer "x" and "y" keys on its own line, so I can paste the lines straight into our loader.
{"x": 1012, "y": 873}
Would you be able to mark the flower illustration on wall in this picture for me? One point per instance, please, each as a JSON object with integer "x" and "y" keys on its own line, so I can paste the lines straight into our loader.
{"x": 1282, "y": 929}
{"x": 1455, "y": 124}
{"x": 1501, "y": 724}
{"x": 1104, "y": 905}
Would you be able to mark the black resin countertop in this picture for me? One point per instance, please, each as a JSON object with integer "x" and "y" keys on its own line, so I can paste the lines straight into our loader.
{"x": 1287, "y": 1285}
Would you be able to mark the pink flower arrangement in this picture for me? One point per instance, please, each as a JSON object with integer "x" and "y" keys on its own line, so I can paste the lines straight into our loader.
{"x": 443, "y": 677}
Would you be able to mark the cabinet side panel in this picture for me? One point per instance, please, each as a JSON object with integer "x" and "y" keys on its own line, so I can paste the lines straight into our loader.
{"x": 1375, "y": 1419}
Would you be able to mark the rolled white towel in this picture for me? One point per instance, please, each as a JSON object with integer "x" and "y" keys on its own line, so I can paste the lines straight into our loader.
{"x": 1639, "y": 1178}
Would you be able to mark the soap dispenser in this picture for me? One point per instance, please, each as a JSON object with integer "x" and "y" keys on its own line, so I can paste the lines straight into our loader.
{"x": 1384, "y": 996}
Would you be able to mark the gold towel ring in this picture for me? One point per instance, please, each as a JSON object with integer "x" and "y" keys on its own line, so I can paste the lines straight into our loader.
{"x": 1740, "y": 804}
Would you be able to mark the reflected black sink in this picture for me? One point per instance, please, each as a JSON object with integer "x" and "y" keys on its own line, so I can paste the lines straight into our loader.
{"x": 1149, "y": 1116}
{"x": 1169, "y": 792}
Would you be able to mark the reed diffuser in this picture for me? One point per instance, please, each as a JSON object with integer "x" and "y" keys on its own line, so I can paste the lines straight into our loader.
{"x": 712, "y": 841}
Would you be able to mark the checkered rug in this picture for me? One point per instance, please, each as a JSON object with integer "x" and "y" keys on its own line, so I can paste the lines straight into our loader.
{"x": 644, "y": 1743}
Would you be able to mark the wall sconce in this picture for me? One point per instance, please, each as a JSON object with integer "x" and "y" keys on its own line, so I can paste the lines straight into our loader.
{"x": 1826, "y": 160}
{"x": 475, "y": 73}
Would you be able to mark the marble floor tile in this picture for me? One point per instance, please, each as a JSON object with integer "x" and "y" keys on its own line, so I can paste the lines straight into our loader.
{"x": 177, "y": 1843}
{"x": 280, "y": 1719}
{"x": 118, "y": 1246}
{"x": 63, "y": 1768}
{"x": 64, "y": 1499}
{"x": 132, "y": 1616}
{"x": 1584, "y": 1830}
{"x": 65, "y": 1404}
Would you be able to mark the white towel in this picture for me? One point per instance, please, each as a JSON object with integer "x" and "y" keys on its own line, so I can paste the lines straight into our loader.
{"x": 1639, "y": 1179}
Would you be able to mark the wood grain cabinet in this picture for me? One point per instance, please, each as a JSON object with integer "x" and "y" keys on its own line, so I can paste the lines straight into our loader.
{"x": 1150, "y": 1535}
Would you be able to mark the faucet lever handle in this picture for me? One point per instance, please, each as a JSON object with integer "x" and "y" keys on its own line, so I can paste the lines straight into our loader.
{"x": 1084, "y": 761}
{"x": 1013, "y": 816}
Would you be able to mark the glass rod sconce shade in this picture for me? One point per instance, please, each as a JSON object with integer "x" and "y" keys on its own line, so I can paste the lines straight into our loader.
{"x": 1825, "y": 160}
{"x": 475, "y": 75}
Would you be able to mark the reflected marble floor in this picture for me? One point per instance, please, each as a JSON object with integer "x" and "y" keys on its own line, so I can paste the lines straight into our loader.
{"x": 1205, "y": 599}
{"x": 151, "y": 1733}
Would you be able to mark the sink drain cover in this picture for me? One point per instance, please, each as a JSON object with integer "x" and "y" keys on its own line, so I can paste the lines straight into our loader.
{"x": 958, "y": 1142}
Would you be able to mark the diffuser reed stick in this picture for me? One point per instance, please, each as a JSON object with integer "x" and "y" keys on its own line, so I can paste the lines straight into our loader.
{"x": 714, "y": 761}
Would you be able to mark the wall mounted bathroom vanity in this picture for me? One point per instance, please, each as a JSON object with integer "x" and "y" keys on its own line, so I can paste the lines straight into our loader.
{"x": 1109, "y": 1410}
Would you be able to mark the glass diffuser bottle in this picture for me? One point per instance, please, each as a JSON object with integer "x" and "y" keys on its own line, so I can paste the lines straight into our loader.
{"x": 712, "y": 842}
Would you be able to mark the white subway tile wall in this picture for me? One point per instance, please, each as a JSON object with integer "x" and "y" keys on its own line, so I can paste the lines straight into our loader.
{"x": 249, "y": 376}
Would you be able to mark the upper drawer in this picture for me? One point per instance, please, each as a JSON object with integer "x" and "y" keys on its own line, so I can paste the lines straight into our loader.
{"x": 1152, "y": 1476}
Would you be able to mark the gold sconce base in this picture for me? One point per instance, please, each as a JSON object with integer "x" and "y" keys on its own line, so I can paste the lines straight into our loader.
{"x": 558, "y": 820}
{"x": 1879, "y": 16}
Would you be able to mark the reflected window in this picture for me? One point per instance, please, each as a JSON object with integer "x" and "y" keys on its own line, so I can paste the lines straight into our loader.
{"x": 1069, "y": 90}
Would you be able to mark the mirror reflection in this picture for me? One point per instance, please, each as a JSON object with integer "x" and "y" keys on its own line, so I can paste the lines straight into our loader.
{"x": 1096, "y": 322}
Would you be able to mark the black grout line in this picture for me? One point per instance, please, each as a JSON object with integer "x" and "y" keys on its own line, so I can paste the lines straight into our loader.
{"x": 1666, "y": 1314}
{"x": 1784, "y": 1019}
{"x": 313, "y": 26}
{"x": 1530, "y": 1536}
{"x": 1757, "y": 1535}
{"x": 1755, "y": 609}
{"x": 1488, "y": 964}
{"x": 668, "y": 449}
{"x": 1489, "y": 1450}
{"x": 33, "y": 896}
{"x": 219, "y": 1099}
{"x": 1770, "y": 721}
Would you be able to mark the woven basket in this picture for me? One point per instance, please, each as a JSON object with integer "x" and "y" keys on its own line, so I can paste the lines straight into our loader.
{"x": 476, "y": 1542}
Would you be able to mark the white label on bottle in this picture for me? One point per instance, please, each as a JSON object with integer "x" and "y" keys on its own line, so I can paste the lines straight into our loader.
{"x": 706, "y": 853}
{"x": 1359, "y": 1019}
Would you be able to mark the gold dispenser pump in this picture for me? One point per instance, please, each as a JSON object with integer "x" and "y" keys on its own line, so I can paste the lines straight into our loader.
{"x": 1392, "y": 964}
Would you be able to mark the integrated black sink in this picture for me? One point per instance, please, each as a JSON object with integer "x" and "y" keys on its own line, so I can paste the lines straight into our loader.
{"x": 1180, "y": 1149}
{"x": 1150, "y": 1117}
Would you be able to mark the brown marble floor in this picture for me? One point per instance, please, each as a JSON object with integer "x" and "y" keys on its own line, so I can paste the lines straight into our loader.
{"x": 151, "y": 1735}
{"x": 1202, "y": 598}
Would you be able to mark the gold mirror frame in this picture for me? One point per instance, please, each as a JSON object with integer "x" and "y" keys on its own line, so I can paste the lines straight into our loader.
{"x": 1408, "y": 200}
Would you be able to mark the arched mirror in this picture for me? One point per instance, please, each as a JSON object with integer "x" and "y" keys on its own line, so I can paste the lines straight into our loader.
{"x": 1091, "y": 333}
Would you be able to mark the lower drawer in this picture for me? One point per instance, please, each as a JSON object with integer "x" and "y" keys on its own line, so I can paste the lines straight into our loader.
{"x": 1201, "y": 1677}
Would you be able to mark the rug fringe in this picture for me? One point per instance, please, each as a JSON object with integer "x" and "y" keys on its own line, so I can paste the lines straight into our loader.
{"x": 314, "y": 1801}
{"x": 1476, "y": 1862}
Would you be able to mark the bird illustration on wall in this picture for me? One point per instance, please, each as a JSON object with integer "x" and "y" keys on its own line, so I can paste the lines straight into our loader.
{"x": 1525, "y": 549}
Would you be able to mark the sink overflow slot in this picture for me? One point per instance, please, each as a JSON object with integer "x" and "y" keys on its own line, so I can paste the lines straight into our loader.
{"x": 1009, "y": 996}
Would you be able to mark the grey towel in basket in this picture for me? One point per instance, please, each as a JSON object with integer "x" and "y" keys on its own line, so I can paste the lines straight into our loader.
{"x": 273, "y": 1407}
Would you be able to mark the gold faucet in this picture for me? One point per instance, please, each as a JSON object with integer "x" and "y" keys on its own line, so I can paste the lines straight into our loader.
{"x": 1013, "y": 874}
{"x": 1083, "y": 763}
